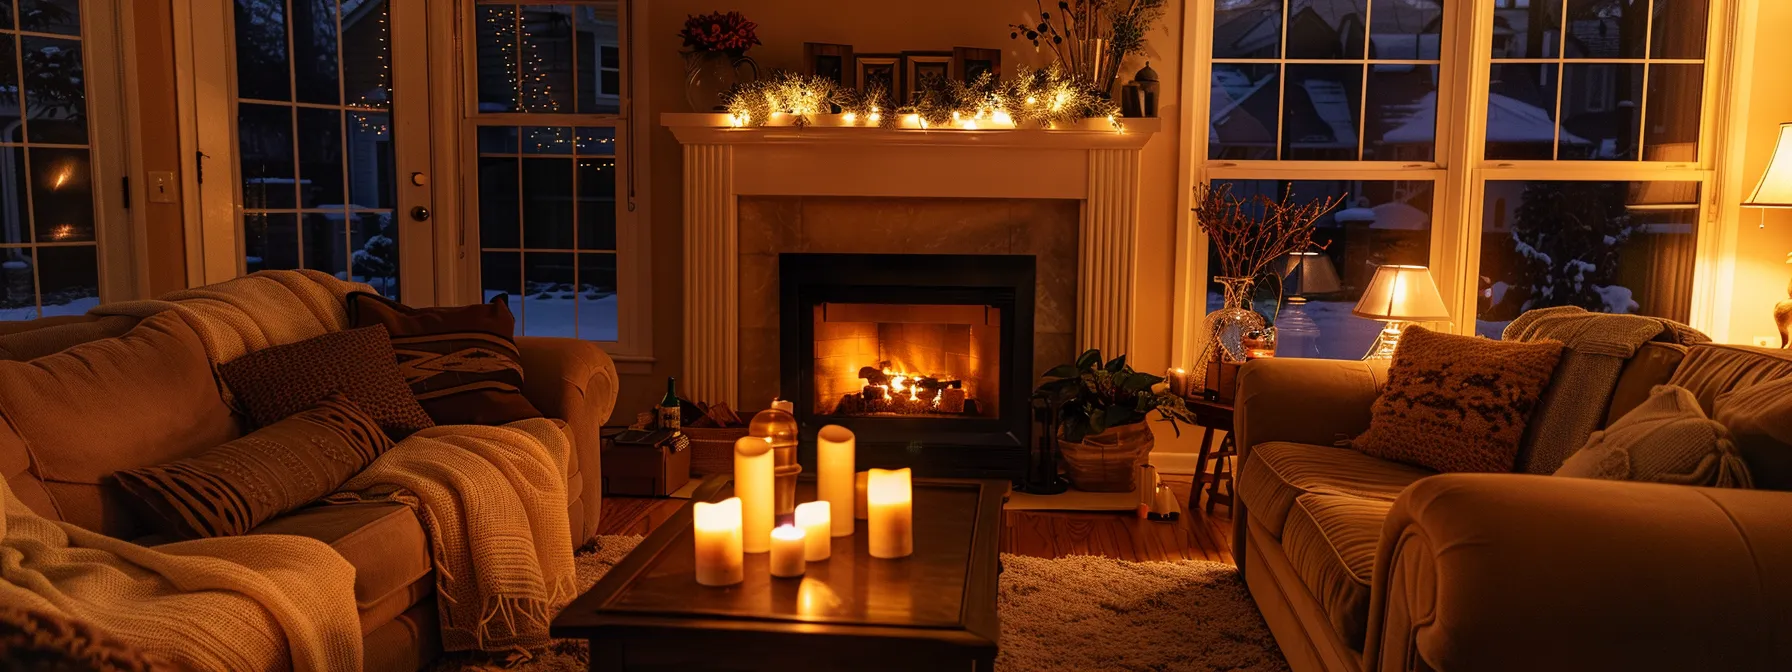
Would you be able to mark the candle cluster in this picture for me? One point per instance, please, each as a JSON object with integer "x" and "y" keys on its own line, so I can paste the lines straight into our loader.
{"x": 725, "y": 531}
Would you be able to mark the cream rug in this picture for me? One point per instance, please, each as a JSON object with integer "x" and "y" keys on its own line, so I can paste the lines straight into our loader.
{"x": 1080, "y": 613}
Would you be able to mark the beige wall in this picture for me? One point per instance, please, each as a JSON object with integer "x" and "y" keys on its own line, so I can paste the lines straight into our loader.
{"x": 152, "y": 65}
{"x": 890, "y": 27}
{"x": 1761, "y": 271}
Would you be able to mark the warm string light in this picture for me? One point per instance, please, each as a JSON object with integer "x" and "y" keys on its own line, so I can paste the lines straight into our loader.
{"x": 984, "y": 103}
{"x": 384, "y": 88}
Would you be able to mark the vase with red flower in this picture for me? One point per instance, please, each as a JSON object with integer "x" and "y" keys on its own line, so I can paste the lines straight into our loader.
{"x": 715, "y": 57}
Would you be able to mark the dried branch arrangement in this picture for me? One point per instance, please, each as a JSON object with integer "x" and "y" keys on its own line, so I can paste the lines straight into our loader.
{"x": 1251, "y": 233}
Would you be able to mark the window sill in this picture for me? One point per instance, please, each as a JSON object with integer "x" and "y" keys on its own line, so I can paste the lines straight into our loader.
{"x": 633, "y": 364}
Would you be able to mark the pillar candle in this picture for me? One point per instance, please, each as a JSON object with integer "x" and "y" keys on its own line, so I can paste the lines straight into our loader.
{"x": 858, "y": 496}
{"x": 813, "y": 518}
{"x": 753, "y": 484}
{"x": 889, "y": 496}
{"x": 718, "y": 540}
{"x": 1179, "y": 382}
{"x": 788, "y": 547}
{"x": 834, "y": 461}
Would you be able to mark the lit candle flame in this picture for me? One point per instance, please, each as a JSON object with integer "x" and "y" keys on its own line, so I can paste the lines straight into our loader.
{"x": 851, "y": 119}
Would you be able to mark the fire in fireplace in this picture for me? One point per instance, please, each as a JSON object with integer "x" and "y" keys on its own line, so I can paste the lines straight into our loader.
{"x": 927, "y": 358}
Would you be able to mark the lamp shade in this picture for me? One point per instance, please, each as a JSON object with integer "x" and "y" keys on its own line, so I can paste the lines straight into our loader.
{"x": 1404, "y": 293}
{"x": 1310, "y": 273}
{"x": 1775, "y": 189}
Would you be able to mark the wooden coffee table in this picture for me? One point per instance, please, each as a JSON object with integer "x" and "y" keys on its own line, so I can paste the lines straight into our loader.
{"x": 935, "y": 609}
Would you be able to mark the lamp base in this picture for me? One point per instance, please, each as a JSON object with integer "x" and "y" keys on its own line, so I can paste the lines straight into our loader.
{"x": 1386, "y": 342}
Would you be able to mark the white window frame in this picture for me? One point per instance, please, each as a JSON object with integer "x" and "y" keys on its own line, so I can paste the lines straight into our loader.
{"x": 1461, "y": 169}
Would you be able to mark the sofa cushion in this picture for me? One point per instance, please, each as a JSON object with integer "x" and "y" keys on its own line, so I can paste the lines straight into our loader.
{"x": 1653, "y": 364}
{"x": 54, "y": 337}
{"x": 277, "y": 382}
{"x": 461, "y": 362}
{"x": 1275, "y": 474}
{"x": 1331, "y": 541}
{"x": 144, "y": 398}
{"x": 1458, "y": 403}
{"x": 235, "y": 486}
{"x": 1711, "y": 370}
{"x": 385, "y": 543}
{"x": 1668, "y": 439}
{"x": 1759, "y": 419}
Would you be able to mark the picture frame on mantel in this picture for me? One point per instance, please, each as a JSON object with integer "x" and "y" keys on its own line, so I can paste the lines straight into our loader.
{"x": 832, "y": 62}
{"x": 921, "y": 69}
{"x": 968, "y": 63}
{"x": 881, "y": 69}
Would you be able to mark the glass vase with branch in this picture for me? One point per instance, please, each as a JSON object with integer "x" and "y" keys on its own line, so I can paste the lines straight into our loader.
{"x": 1249, "y": 235}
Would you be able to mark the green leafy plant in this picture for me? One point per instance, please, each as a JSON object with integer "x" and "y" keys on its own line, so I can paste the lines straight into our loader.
{"x": 1091, "y": 396}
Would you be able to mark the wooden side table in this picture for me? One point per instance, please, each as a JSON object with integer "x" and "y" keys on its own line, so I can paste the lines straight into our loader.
{"x": 1213, "y": 416}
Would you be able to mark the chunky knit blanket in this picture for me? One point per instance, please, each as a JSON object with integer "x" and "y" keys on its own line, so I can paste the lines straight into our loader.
{"x": 493, "y": 500}
{"x": 256, "y": 311}
{"x": 1597, "y": 346}
{"x": 259, "y": 602}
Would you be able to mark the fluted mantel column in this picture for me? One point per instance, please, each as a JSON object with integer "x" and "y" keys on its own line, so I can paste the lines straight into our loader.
{"x": 1105, "y": 266}
{"x": 711, "y": 259}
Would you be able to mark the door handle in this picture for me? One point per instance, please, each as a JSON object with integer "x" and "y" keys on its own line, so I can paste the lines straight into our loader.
{"x": 420, "y": 214}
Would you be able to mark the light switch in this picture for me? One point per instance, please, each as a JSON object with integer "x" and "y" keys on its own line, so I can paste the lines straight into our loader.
{"x": 161, "y": 186}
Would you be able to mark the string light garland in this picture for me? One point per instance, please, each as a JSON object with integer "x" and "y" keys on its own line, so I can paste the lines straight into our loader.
{"x": 1046, "y": 98}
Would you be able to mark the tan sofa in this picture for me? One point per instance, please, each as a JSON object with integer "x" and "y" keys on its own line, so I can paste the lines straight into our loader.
{"x": 145, "y": 395}
{"x": 1361, "y": 564}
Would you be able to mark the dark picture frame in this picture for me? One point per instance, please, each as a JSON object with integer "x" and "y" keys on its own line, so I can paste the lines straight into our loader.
{"x": 919, "y": 68}
{"x": 969, "y": 62}
{"x": 831, "y": 61}
{"x": 883, "y": 69}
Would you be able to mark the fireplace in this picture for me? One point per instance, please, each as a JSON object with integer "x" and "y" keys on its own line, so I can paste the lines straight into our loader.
{"x": 927, "y": 358}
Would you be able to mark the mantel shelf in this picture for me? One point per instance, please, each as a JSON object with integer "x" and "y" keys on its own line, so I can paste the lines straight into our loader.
{"x": 715, "y": 129}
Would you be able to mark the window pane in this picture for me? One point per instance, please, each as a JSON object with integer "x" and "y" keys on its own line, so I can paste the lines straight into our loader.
{"x": 1521, "y": 113}
{"x": 498, "y": 203}
{"x": 1614, "y": 247}
{"x": 1673, "y": 113}
{"x": 1247, "y": 29}
{"x": 6, "y": 14}
{"x": 270, "y": 241}
{"x": 9, "y": 91}
{"x": 50, "y": 16}
{"x": 261, "y": 67}
{"x": 502, "y": 273}
{"x": 497, "y": 139}
{"x": 1602, "y": 29}
{"x": 1402, "y": 115}
{"x": 599, "y": 60}
{"x": 316, "y": 72}
{"x": 497, "y": 59}
{"x": 547, "y": 203}
{"x": 18, "y": 284}
{"x": 1325, "y": 28}
{"x": 370, "y": 170}
{"x": 325, "y": 241}
{"x": 69, "y": 278}
{"x": 547, "y": 139}
{"x": 550, "y": 295}
{"x": 1320, "y": 112}
{"x": 320, "y": 158}
{"x": 15, "y": 217}
{"x": 1406, "y": 30}
{"x": 547, "y": 58}
{"x": 1600, "y": 111}
{"x": 1379, "y": 223}
{"x": 366, "y": 58}
{"x": 1530, "y": 29}
{"x": 1243, "y": 120}
{"x": 597, "y": 204}
{"x": 375, "y": 259}
{"x": 61, "y": 195}
{"x": 55, "y": 92}
{"x": 264, "y": 148}
{"x": 1679, "y": 28}
{"x": 597, "y": 297}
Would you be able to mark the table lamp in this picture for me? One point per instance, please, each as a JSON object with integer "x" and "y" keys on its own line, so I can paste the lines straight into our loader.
{"x": 1399, "y": 295}
{"x": 1775, "y": 191}
{"x": 1308, "y": 272}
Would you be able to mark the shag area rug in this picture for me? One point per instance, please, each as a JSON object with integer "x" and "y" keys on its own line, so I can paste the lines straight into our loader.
{"x": 1079, "y": 613}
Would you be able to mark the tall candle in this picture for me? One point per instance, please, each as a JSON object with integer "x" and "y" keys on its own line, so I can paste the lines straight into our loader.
{"x": 718, "y": 540}
{"x": 814, "y": 519}
{"x": 753, "y": 484}
{"x": 788, "y": 547}
{"x": 858, "y": 496}
{"x": 889, "y": 495}
{"x": 834, "y": 461}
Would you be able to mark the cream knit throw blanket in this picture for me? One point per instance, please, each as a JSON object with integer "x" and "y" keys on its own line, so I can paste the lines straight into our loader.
{"x": 1597, "y": 346}
{"x": 256, "y": 311}
{"x": 257, "y": 602}
{"x": 493, "y": 500}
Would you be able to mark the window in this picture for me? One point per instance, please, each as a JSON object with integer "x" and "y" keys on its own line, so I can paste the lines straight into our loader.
{"x": 1583, "y": 182}
{"x": 49, "y": 224}
{"x": 549, "y": 80}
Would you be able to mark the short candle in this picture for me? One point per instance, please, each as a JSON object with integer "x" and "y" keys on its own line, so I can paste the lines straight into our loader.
{"x": 816, "y": 519}
{"x": 718, "y": 541}
{"x": 787, "y": 551}
{"x": 889, "y": 495}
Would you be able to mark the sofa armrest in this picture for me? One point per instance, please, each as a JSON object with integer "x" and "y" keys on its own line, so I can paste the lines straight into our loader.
{"x": 1521, "y": 572}
{"x": 575, "y": 381}
{"x": 1312, "y": 401}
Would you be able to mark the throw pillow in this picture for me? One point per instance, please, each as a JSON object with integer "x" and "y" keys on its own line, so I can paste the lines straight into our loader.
{"x": 231, "y": 488}
{"x": 1667, "y": 439}
{"x": 1759, "y": 418}
{"x": 277, "y": 382}
{"x": 1458, "y": 403}
{"x": 461, "y": 363}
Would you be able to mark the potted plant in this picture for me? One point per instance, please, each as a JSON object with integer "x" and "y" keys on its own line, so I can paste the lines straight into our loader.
{"x": 1101, "y": 410}
{"x": 716, "y": 57}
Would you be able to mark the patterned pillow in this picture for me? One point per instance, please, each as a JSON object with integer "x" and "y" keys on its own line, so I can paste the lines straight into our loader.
{"x": 1667, "y": 439}
{"x": 231, "y": 488}
{"x": 461, "y": 363}
{"x": 1458, "y": 403}
{"x": 280, "y": 381}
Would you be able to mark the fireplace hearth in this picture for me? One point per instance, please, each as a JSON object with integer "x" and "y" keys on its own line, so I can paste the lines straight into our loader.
{"x": 927, "y": 358}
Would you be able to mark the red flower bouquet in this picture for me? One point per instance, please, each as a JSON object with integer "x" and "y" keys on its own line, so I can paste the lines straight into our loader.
{"x": 716, "y": 31}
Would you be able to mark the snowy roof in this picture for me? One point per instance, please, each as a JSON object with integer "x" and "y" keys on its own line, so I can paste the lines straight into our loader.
{"x": 1508, "y": 120}
{"x": 1398, "y": 216}
{"x": 1331, "y": 103}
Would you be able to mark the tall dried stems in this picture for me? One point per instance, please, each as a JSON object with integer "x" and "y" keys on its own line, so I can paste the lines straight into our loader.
{"x": 1251, "y": 233}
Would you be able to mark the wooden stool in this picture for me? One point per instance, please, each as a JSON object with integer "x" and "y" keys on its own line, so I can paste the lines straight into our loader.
{"x": 1222, "y": 474}
{"x": 1213, "y": 417}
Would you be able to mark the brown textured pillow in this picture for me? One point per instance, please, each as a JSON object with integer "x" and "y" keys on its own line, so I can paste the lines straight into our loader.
{"x": 1666, "y": 439}
{"x": 461, "y": 362}
{"x": 280, "y": 381}
{"x": 231, "y": 488}
{"x": 1458, "y": 403}
{"x": 1759, "y": 418}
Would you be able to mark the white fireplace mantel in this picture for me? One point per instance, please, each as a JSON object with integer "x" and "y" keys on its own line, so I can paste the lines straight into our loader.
{"x": 1091, "y": 162}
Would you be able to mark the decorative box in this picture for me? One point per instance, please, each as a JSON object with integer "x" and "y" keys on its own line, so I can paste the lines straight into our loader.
{"x": 646, "y": 463}
{"x": 1221, "y": 383}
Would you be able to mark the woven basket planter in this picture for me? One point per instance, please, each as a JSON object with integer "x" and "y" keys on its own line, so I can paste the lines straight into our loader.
{"x": 1109, "y": 461}
{"x": 712, "y": 449}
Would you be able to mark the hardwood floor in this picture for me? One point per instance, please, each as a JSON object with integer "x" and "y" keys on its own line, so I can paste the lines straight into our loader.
{"x": 1046, "y": 534}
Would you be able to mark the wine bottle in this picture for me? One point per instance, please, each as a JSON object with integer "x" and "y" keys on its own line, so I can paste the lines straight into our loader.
{"x": 669, "y": 413}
